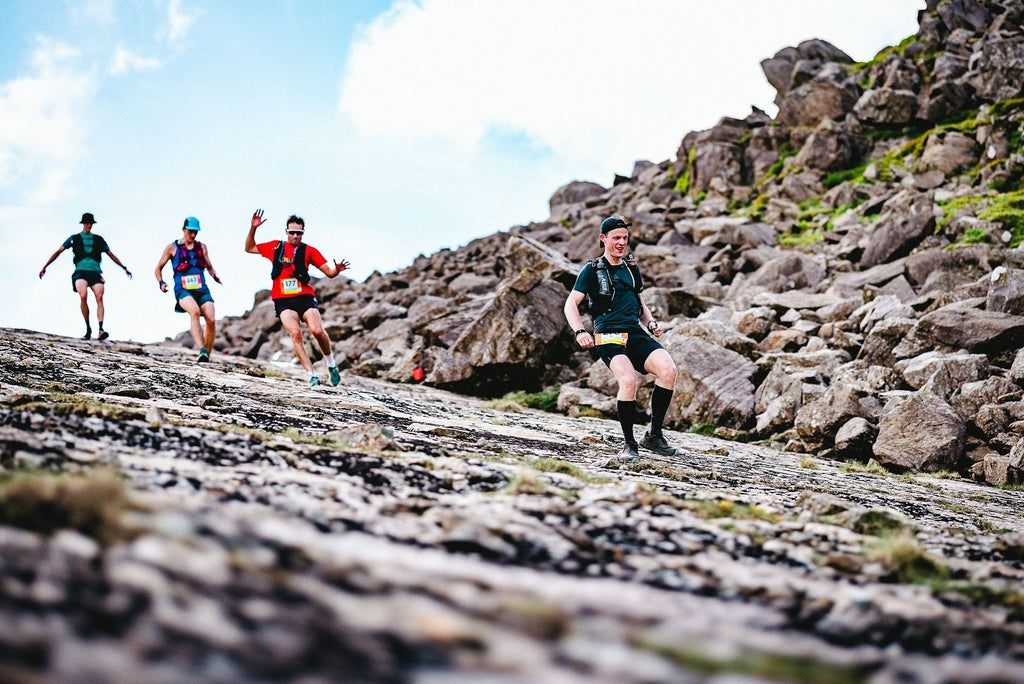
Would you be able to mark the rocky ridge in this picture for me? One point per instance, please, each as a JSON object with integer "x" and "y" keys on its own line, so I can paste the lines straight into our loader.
{"x": 163, "y": 521}
{"x": 830, "y": 280}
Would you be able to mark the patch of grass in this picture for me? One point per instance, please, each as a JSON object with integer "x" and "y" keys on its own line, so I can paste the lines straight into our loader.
{"x": 1008, "y": 211}
{"x": 856, "y": 174}
{"x": 725, "y": 508}
{"x": 879, "y": 522}
{"x": 545, "y": 400}
{"x": 63, "y": 404}
{"x": 589, "y": 412}
{"x": 759, "y": 666}
{"x": 755, "y": 209}
{"x": 983, "y": 595}
{"x": 871, "y": 468}
{"x": 706, "y": 429}
{"x": 810, "y": 463}
{"x": 554, "y": 465}
{"x": 803, "y": 238}
{"x": 682, "y": 185}
{"x": 644, "y": 467}
{"x": 971, "y": 236}
{"x": 528, "y": 481}
{"x": 907, "y": 562}
{"x": 90, "y": 503}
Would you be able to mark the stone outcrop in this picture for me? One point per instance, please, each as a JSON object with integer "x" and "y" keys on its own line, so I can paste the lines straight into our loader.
{"x": 167, "y": 521}
{"x": 876, "y": 217}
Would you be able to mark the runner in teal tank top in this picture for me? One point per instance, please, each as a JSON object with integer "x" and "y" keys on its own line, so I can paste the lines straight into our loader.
{"x": 88, "y": 249}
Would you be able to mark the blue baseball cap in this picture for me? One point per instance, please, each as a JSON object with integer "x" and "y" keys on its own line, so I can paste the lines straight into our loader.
{"x": 191, "y": 223}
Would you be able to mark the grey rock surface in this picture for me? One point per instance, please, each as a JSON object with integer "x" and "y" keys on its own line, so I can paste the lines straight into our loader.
{"x": 235, "y": 525}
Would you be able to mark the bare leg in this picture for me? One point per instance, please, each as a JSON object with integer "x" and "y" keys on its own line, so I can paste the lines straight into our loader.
{"x": 316, "y": 329}
{"x": 291, "y": 322}
{"x": 97, "y": 291}
{"x": 82, "y": 288}
{"x": 191, "y": 307}
{"x": 211, "y": 326}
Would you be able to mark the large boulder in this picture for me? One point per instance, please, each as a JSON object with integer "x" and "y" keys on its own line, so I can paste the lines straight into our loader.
{"x": 920, "y": 432}
{"x": 951, "y": 152}
{"x": 714, "y": 384}
{"x": 886, "y": 106}
{"x": 905, "y": 220}
{"x": 513, "y": 337}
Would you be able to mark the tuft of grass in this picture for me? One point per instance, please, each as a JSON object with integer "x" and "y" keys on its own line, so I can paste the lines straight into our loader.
{"x": 907, "y": 562}
{"x": 705, "y": 429}
{"x": 42, "y": 502}
{"x": 725, "y": 508}
{"x": 545, "y": 400}
{"x": 682, "y": 185}
{"x": 758, "y": 666}
{"x": 971, "y": 236}
{"x": 810, "y": 463}
{"x": 554, "y": 465}
{"x": 804, "y": 238}
{"x": 528, "y": 481}
{"x": 879, "y": 522}
{"x": 1008, "y": 211}
{"x": 872, "y": 467}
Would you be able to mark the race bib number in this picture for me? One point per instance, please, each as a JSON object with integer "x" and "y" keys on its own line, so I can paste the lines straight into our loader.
{"x": 290, "y": 286}
{"x": 611, "y": 338}
{"x": 193, "y": 281}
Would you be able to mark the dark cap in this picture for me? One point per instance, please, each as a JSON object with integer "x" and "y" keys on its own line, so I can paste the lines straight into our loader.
{"x": 613, "y": 222}
{"x": 88, "y": 218}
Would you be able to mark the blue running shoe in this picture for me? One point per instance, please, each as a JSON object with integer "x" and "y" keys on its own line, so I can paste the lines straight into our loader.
{"x": 335, "y": 375}
{"x": 314, "y": 381}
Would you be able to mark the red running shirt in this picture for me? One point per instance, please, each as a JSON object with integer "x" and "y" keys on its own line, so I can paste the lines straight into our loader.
{"x": 286, "y": 284}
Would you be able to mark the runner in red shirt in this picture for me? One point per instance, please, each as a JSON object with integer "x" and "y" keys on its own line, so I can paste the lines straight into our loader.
{"x": 294, "y": 298}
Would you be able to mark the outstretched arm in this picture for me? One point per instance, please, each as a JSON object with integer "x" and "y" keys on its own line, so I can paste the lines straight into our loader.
{"x": 117, "y": 261}
{"x": 331, "y": 271}
{"x": 51, "y": 260}
{"x": 250, "y": 239}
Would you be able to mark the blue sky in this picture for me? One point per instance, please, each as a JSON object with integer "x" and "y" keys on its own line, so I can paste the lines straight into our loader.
{"x": 394, "y": 128}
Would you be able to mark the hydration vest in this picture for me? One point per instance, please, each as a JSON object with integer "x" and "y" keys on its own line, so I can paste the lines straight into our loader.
{"x": 299, "y": 262}
{"x": 78, "y": 248}
{"x": 186, "y": 258}
{"x": 601, "y": 301}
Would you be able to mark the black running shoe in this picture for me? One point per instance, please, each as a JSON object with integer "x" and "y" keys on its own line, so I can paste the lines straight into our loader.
{"x": 87, "y": 335}
{"x": 629, "y": 453}
{"x": 103, "y": 335}
{"x": 658, "y": 445}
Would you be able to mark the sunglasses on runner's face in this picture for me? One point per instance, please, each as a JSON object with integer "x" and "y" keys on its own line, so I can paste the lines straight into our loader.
{"x": 296, "y": 232}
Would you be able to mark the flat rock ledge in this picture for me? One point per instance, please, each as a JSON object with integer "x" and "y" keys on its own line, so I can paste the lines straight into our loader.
{"x": 165, "y": 522}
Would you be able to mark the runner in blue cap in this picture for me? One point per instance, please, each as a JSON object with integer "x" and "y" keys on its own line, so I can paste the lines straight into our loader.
{"x": 189, "y": 259}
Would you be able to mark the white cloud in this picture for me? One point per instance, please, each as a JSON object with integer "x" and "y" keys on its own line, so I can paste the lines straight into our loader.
{"x": 40, "y": 126}
{"x": 601, "y": 81}
{"x": 125, "y": 61}
{"x": 178, "y": 22}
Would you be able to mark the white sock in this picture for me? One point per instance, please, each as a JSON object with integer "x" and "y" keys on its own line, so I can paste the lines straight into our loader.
{"x": 330, "y": 360}
{"x": 312, "y": 374}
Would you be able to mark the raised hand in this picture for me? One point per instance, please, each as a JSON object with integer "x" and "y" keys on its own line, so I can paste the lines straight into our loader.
{"x": 257, "y": 218}
{"x": 341, "y": 265}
